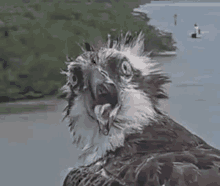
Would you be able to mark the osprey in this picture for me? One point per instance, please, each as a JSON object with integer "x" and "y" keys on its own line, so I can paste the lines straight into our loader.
{"x": 114, "y": 117}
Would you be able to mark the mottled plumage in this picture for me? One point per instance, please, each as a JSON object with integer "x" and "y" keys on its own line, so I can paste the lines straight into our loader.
{"x": 114, "y": 117}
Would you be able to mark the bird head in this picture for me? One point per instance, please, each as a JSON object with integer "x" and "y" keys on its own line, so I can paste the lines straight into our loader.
{"x": 112, "y": 92}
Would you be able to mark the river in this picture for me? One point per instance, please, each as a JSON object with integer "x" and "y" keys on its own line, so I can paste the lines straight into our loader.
{"x": 195, "y": 88}
{"x": 36, "y": 147}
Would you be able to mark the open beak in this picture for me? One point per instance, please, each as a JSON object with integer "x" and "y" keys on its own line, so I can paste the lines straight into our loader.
{"x": 104, "y": 93}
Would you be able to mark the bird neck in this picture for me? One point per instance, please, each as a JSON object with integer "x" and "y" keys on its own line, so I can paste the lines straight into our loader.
{"x": 162, "y": 135}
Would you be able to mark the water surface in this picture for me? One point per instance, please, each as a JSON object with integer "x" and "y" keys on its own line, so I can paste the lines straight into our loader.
{"x": 195, "y": 89}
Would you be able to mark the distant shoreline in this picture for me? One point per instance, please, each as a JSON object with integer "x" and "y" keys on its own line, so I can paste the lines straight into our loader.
{"x": 22, "y": 106}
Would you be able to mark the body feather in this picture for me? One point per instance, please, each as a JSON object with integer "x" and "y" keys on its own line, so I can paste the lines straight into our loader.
{"x": 158, "y": 156}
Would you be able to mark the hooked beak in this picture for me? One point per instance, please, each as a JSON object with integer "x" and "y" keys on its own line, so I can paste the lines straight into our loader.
{"x": 105, "y": 99}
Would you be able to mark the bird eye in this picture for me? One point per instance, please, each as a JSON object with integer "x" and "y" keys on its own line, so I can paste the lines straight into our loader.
{"x": 73, "y": 80}
{"x": 126, "y": 68}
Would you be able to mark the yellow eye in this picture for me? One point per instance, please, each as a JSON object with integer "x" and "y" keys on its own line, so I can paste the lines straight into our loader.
{"x": 126, "y": 68}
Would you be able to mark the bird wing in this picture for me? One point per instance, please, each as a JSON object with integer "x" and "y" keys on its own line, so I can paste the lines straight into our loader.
{"x": 161, "y": 155}
{"x": 84, "y": 176}
{"x": 185, "y": 168}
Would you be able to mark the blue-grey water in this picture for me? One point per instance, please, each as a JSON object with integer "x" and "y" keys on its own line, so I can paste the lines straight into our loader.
{"x": 36, "y": 147}
{"x": 195, "y": 71}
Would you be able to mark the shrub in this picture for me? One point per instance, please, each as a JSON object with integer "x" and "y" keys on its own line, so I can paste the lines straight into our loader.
{"x": 40, "y": 35}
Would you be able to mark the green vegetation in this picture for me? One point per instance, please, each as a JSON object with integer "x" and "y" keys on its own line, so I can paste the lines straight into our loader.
{"x": 36, "y": 37}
